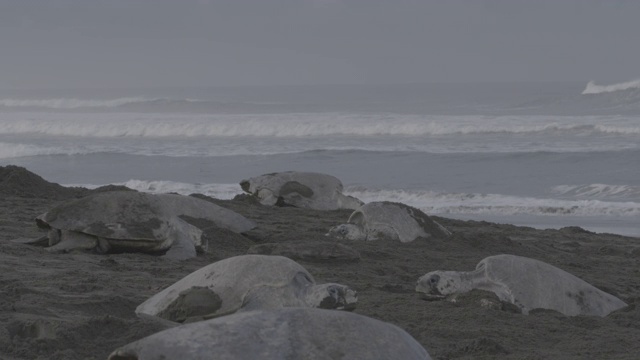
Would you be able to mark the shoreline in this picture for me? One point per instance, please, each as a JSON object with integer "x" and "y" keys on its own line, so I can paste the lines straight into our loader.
{"x": 613, "y": 225}
{"x": 81, "y": 305}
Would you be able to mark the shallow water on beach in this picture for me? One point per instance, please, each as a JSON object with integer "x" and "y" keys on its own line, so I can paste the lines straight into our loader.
{"x": 541, "y": 155}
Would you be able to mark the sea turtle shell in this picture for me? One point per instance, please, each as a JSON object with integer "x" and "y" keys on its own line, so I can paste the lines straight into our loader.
{"x": 527, "y": 283}
{"x": 134, "y": 220}
{"x": 287, "y": 333}
{"x": 245, "y": 281}
{"x": 300, "y": 189}
{"x": 384, "y": 219}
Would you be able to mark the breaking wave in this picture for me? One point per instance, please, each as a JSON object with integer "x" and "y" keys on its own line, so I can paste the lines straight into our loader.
{"x": 13, "y": 150}
{"x": 599, "y": 191}
{"x": 431, "y": 202}
{"x": 592, "y": 88}
{"x": 305, "y": 125}
{"x": 63, "y": 103}
{"x": 496, "y": 204}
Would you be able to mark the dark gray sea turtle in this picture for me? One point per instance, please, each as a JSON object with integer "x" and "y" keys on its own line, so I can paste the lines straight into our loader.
{"x": 527, "y": 283}
{"x": 300, "y": 189}
{"x": 389, "y": 220}
{"x": 134, "y": 221}
{"x": 288, "y": 333}
{"x": 246, "y": 282}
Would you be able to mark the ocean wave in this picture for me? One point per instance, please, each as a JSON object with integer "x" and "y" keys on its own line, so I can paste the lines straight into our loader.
{"x": 599, "y": 191}
{"x": 304, "y": 125}
{"x": 592, "y": 88}
{"x": 495, "y": 204}
{"x": 70, "y": 103}
{"x": 431, "y": 202}
{"x": 14, "y": 150}
{"x": 608, "y": 129}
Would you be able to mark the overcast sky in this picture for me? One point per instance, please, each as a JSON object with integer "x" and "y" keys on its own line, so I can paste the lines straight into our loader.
{"x": 144, "y": 43}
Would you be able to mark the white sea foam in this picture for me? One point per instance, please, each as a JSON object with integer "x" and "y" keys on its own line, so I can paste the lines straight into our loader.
{"x": 304, "y": 125}
{"x": 613, "y": 129}
{"x": 429, "y": 201}
{"x": 14, "y": 150}
{"x": 592, "y": 88}
{"x": 337, "y": 134}
{"x": 65, "y": 103}
{"x": 599, "y": 191}
{"x": 496, "y": 204}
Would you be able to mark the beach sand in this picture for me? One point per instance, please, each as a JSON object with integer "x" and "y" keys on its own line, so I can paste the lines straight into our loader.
{"x": 81, "y": 305}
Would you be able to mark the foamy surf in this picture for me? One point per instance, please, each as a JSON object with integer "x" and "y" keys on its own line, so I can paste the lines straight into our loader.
{"x": 16, "y": 150}
{"x": 592, "y": 88}
{"x": 436, "y": 203}
{"x": 495, "y": 204}
{"x": 598, "y": 191}
{"x": 68, "y": 104}
{"x": 109, "y": 125}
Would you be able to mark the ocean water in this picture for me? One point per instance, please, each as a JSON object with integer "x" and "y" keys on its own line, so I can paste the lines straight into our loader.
{"x": 543, "y": 155}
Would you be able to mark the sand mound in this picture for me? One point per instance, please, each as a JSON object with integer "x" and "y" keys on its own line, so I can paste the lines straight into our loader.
{"x": 18, "y": 181}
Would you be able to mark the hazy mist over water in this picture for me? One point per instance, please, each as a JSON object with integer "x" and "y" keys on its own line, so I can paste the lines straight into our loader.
{"x": 165, "y": 43}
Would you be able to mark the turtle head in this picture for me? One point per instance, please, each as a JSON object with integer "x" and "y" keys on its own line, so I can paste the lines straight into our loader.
{"x": 348, "y": 231}
{"x": 245, "y": 185}
{"x": 267, "y": 197}
{"x": 437, "y": 284}
{"x": 332, "y": 296}
{"x": 348, "y": 202}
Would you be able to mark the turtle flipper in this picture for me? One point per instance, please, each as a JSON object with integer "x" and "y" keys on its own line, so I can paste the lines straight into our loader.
{"x": 72, "y": 240}
{"x": 181, "y": 249}
{"x": 185, "y": 237}
{"x": 41, "y": 241}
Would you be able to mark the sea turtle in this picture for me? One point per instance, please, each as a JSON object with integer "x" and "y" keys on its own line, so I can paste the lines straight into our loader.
{"x": 389, "y": 220}
{"x": 287, "y": 333}
{"x": 527, "y": 283}
{"x": 245, "y": 282}
{"x": 134, "y": 221}
{"x": 300, "y": 189}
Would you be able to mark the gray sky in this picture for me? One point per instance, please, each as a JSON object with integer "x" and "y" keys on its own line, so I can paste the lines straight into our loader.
{"x": 143, "y": 43}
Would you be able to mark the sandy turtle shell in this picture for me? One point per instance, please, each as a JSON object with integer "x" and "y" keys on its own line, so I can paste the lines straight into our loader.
{"x": 389, "y": 220}
{"x": 245, "y": 282}
{"x": 300, "y": 189}
{"x": 134, "y": 221}
{"x": 527, "y": 283}
{"x": 289, "y": 333}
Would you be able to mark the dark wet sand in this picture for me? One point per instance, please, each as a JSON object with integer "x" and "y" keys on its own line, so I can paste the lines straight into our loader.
{"x": 81, "y": 305}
